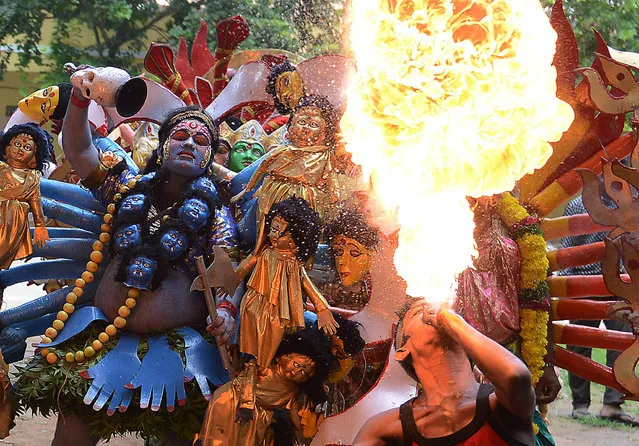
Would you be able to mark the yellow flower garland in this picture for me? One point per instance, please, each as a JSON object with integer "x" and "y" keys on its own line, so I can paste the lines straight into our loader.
{"x": 534, "y": 267}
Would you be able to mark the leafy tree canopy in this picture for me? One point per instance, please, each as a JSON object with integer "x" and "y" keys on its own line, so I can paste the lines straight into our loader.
{"x": 614, "y": 19}
{"x": 119, "y": 28}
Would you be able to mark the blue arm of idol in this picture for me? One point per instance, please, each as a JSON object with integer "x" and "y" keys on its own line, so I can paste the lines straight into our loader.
{"x": 72, "y": 215}
{"x": 70, "y": 194}
{"x": 68, "y": 233}
{"x": 104, "y": 144}
{"x": 45, "y": 270}
{"x": 13, "y": 339}
{"x": 239, "y": 181}
{"x": 66, "y": 248}
{"x": 46, "y": 304}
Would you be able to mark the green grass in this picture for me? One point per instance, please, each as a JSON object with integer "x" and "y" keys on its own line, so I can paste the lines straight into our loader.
{"x": 596, "y": 398}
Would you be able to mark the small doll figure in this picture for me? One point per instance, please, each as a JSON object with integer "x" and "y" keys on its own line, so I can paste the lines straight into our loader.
{"x": 304, "y": 167}
{"x": 295, "y": 380}
{"x": 273, "y": 300}
{"x": 24, "y": 149}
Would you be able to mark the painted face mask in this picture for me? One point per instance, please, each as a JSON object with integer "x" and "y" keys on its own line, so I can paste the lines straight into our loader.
{"x": 21, "y": 152}
{"x": 243, "y": 154}
{"x": 194, "y": 213}
{"x": 188, "y": 149}
{"x": 205, "y": 185}
{"x": 40, "y": 105}
{"x": 289, "y": 88}
{"x": 173, "y": 244}
{"x": 352, "y": 259}
{"x": 296, "y": 367}
{"x": 140, "y": 272}
{"x": 127, "y": 237}
{"x": 132, "y": 204}
{"x": 308, "y": 127}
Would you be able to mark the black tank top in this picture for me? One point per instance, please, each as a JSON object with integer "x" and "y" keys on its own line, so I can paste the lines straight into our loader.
{"x": 484, "y": 416}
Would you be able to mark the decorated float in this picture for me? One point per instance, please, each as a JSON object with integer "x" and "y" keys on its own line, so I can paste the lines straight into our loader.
{"x": 297, "y": 203}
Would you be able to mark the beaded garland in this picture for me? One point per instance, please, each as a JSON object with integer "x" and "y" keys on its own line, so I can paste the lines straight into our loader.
{"x": 199, "y": 189}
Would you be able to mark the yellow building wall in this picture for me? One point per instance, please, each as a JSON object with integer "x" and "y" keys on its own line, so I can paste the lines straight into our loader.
{"x": 24, "y": 79}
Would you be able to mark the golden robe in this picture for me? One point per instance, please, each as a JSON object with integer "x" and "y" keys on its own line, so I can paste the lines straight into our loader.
{"x": 272, "y": 391}
{"x": 273, "y": 302}
{"x": 291, "y": 171}
{"x": 19, "y": 192}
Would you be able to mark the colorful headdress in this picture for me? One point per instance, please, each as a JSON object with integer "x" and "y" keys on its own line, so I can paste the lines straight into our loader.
{"x": 252, "y": 132}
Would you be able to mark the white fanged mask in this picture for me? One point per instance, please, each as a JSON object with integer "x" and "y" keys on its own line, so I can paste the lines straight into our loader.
{"x": 100, "y": 84}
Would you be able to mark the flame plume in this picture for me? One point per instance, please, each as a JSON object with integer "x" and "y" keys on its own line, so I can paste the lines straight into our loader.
{"x": 452, "y": 98}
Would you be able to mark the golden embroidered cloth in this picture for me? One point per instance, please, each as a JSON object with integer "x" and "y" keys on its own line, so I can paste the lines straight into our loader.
{"x": 272, "y": 303}
{"x": 291, "y": 171}
{"x": 272, "y": 391}
{"x": 19, "y": 193}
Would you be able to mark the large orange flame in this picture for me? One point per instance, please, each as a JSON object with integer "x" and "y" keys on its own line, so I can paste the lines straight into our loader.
{"x": 452, "y": 98}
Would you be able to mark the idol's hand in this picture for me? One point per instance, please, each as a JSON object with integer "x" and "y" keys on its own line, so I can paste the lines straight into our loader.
{"x": 161, "y": 372}
{"x": 203, "y": 362}
{"x": 40, "y": 236}
{"x": 238, "y": 197}
{"x": 110, "y": 375}
{"x": 326, "y": 322}
{"x": 222, "y": 327}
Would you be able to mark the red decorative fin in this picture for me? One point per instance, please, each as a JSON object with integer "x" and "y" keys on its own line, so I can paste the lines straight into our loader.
{"x": 566, "y": 59}
{"x": 201, "y": 57}
{"x": 204, "y": 91}
{"x": 183, "y": 66}
{"x": 159, "y": 61}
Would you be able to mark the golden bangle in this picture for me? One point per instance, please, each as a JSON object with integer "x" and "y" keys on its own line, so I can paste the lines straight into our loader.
{"x": 96, "y": 176}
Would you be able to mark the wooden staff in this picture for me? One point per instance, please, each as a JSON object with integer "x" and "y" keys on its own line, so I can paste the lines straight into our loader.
{"x": 212, "y": 307}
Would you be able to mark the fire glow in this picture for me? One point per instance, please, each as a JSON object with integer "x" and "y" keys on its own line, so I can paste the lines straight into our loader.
{"x": 452, "y": 98}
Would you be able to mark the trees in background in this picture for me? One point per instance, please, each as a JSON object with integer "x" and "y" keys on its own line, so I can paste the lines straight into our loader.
{"x": 306, "y": 27}
{"x": 119, "y": 28}
{"x": 616, "y": 21}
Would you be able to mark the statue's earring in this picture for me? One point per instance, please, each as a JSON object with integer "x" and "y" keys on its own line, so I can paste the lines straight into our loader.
{"x": 165, "y": 150}
{"x": 207, "y": 157}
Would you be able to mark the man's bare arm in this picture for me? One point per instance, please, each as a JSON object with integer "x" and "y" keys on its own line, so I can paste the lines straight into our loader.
{"x": 76, "y": 139}
{"x": 383, "y": 429}
{"x": 509, "y": 375}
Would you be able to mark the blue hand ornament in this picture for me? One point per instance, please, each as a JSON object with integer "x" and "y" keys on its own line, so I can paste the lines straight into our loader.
{"x": 132, "y": 205}
{"x": 110, "y": 375}
{"x": 194, "y": 213}
{"x": 162, "y": 370}
{"x": 127, "y": 237}
{"x": 173, "y": 244}
{"x": 140, "y": 272}
{"x": 203, "y": 362}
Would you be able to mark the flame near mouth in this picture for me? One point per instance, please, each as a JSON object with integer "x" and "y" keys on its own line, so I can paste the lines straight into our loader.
{"x": 452, "y": 98}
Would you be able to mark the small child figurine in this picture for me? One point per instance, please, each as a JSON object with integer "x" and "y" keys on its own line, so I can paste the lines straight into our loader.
{"x": 23, "y": 151}
{"x": 295, "y": 380}
{"x": 273, "y": 300}
{"x": 302, "y": 168}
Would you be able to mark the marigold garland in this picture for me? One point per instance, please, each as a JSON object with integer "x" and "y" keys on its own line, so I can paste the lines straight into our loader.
{"x": 533, "y": 289}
